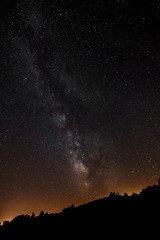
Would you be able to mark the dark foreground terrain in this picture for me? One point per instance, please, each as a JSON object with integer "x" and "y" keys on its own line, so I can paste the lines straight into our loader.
{"x": 107, "y": 218}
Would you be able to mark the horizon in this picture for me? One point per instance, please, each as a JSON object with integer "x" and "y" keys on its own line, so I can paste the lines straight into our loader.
{"x": 37, "y": 213}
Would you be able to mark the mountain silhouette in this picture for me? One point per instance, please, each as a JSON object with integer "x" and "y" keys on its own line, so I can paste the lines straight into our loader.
{"x": 116, "y": 216}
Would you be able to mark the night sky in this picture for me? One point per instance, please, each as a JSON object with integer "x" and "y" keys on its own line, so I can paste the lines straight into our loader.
{"x": 79, "y": 101}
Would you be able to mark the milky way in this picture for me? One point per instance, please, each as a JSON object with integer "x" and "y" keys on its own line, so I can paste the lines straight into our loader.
{"x": 79, "y": 101}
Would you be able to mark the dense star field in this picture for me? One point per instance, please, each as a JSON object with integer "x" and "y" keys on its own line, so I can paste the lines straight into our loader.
{"x": 79, "y": 101}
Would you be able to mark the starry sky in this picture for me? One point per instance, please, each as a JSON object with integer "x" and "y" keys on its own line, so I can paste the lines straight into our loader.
{"x": 79, "y": 101}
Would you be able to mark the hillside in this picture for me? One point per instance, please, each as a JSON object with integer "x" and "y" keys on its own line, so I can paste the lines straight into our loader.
{"x": 116, "y": 215}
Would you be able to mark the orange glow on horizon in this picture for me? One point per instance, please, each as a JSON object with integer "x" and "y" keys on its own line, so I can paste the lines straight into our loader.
{"x": 27, "y": 205}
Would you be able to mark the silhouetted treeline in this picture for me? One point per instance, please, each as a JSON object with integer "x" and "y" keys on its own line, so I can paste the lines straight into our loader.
{"x": 114, "y": 216}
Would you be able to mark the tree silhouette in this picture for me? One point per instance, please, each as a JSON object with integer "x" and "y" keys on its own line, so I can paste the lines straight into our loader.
{"x": 125, "y": 195}
{"x": 41, "y": 214}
